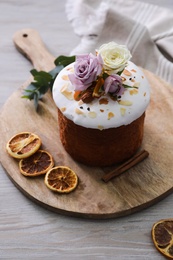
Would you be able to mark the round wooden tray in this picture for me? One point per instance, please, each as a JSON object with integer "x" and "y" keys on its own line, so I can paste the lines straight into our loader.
{"x": 136, "y": 189}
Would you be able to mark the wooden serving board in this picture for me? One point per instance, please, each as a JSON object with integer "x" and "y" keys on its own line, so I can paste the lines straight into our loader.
{"x": 140, "y": 187}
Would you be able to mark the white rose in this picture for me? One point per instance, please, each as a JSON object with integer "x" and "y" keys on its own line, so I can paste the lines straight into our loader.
{"x": 115, "y": 57}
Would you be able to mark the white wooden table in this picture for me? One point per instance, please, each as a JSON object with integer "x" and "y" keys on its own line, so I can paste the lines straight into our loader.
{"x": 28, "y": 231}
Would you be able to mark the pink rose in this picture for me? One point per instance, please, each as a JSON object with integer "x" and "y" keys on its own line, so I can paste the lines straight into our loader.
{"x": 86, "y": 69}
{"x": 113, "y": 84}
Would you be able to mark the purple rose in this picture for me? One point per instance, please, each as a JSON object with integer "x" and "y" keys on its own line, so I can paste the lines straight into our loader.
{"x": 113, "y": 84}
{"x": 86, "y": 69}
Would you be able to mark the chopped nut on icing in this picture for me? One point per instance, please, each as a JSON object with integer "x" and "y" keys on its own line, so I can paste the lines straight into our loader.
{"x": 133, "y": 91}
{"x": 132, "y": 80}
{"x": 136, "y": 84}
{"x": 92, "y": 114}
{"x": 144, "y": 94}
{"x": 102, "y": 110}
{"x": 123, "y": 111}
{"x": 70, "y": 69}
{"x": 103, "y": 101}
{"x": 63, "y": 109}
{"x": 125, "y": 102}
{"x": 80, "y": 102}
{"x": 133, "y": 70}
{"x": 65, "y": 77}
{"x": 127, "y": 72}
{"x": 100, "y": 127}
{"x": 123, "y": 78}
{"x": 110, "y": 115}
{"x": 68, "y": 94}
{"x": 79, "y": 112}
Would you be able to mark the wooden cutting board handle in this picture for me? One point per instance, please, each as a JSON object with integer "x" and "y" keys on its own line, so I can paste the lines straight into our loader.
{"x": 30, "y": 44}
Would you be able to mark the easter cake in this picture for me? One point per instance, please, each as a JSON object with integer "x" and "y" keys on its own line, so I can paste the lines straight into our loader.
{"x": 101, "y": 101}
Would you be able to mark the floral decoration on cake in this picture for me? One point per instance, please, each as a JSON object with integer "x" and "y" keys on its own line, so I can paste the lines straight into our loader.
{"x": 100, "y": 74}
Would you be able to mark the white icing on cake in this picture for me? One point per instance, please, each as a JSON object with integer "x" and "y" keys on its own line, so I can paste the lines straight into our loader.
{"x": 128, "y": 108}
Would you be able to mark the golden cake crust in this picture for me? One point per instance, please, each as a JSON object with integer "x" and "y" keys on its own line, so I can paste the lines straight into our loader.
{"x": 100, "y": 147}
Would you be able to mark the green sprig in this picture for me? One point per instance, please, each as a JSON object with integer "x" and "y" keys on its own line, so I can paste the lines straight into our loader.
{"x": 43, "y": 81}
{"x": 127, "y": 86}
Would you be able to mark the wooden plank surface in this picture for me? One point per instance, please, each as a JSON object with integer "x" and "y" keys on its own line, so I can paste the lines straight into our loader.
{"x": 28, "y": 231}
{"x": 130, "y": 192}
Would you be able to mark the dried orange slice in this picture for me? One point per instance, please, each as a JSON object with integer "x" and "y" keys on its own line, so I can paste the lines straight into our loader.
{"x": 162, "y": 235}
{"x": 38, "y": 163}
{"x": 23, "y": 145}
{"x": 61, "y": 179}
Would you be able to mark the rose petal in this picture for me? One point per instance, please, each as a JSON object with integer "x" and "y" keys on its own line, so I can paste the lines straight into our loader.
{"x": 113, "y": 84}
{"x": 115, "y": 57}
{"x": 86, "y": 70}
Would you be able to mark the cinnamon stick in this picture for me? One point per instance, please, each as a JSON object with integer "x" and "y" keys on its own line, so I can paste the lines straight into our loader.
{"x": 137, "y": 158}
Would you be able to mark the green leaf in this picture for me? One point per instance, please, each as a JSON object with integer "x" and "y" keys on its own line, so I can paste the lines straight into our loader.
{"x": 120, "y": 72}
{"x": 105, "y": 75}
{"x": 42, "y": 77}
{"x": 34, "y": 72}
{"x": 43, "y": 81}
{"x": 127, "y": 86}
{"x": 29, "y": 92}
{"x": 64, "y": 60}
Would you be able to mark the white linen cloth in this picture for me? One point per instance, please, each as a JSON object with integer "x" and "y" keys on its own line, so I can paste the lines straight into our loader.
{"x": 147, "y": 31}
